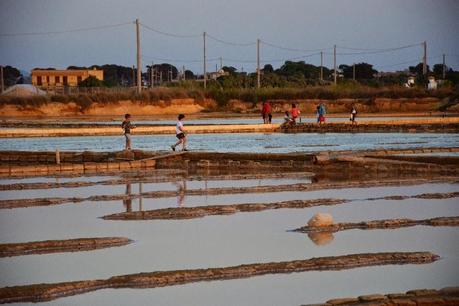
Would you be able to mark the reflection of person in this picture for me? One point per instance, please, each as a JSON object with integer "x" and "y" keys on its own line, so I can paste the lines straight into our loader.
{"x": 321, "y": 238}
{"x": 322, "y": 111}
{"x": 181, "y": 190}
{"x": 127, "y": 126}
{"x": 180, "y": 133}
{"x": 127, "y": 201}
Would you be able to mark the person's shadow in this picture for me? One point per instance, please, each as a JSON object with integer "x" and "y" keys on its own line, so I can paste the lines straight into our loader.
{"x": 181, "y": 191}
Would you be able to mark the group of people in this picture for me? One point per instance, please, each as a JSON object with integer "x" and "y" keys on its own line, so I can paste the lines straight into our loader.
{"x": 179, "y": 132}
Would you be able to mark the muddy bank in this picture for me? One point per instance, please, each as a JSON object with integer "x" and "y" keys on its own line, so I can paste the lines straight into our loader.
{"x": 202, "y": 211}
{"x": 182, "y": 213}
{"x": 448, "y": 296}
{"x": 47, "y": 292}
{"x": 192, "y": 106}
{"x": 20, "y": 203}
{"x": 380, "y": 224}
{"x": 59, "y": 246}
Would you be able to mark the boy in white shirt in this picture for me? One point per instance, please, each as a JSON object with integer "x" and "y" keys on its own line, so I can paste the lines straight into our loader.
{"x": 180, "y": 134}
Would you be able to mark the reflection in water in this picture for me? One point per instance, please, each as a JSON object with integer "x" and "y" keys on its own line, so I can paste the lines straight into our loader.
{"x": 140, "y": 197}
{"x": 322, "y": 238}
{"x": 127, "y": 202}
{"x": 181, "y": 190}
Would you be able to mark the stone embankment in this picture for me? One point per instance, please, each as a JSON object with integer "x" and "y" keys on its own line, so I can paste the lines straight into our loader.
{"x": 380, "y": 224}
{"x": 443, "y": 125}
{"x": 47, "y": 292}
{"x": 58, "y": 246}
{"x": 448, "y": 296}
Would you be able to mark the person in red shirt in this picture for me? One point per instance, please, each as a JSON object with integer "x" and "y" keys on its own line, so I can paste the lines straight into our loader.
{"x": 295, "y": 113}
{"x": 266, "y": 112}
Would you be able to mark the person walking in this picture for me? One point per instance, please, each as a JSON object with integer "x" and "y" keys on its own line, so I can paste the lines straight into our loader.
{"x": 322, "y": 112}
{"x": 180, "y": 133}
{"x": 266, "y": 113}
{"x": 353, "y": 115}
{"x": 127, "y": 126}
{"x": 295, "y": 112}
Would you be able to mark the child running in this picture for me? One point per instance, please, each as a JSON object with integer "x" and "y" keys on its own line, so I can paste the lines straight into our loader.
{"x": 180, "y": 134}
{"x": 127, "y": 126}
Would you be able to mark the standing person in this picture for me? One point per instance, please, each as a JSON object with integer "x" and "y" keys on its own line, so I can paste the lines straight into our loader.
{"x": 318, "y": 113}
{"x": 180, "y": 133}
{"x": 127, "y": 126}
{"x": 295, "y": 112}
{"x": 353, "y": 114}
{"x": 266, "y": 112}
{"x": 322, "y": 112}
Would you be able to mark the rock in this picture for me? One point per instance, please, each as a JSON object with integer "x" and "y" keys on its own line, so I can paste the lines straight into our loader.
{"x": 321, "y": 238}
{"x": 321, "y": 219}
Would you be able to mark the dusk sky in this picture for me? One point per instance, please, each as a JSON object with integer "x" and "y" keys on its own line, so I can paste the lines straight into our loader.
{"x": 296, "y": 24}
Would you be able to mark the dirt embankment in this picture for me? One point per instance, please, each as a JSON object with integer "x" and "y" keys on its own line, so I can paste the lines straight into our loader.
{"x": 192, "y": 106}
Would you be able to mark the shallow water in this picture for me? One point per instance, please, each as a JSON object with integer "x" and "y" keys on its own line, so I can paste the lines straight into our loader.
{"x": 241, "y": 142}
{"x": 218, "y": 241}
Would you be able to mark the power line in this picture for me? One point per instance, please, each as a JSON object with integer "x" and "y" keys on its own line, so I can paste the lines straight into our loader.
{"x": 292, "y": 49}
{"x": 376, "y": 51}
{"x": 169, "y": 34}
{"x": 230, "y": 42}
{"x": 180, "y": 60}
{"x": 67, "y": 31}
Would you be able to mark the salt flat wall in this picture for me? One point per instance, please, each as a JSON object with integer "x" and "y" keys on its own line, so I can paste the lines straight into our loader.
{"x": 190, "y": 106}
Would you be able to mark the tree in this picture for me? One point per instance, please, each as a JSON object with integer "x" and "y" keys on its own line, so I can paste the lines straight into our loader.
{"x": 438, "y": 71}
{"x": 91, "y": 81}
{"x": 268, "y": 68}
{"x": 11, "y": 75}
{"x": 363, "y": 71}
{"x": 229, "y": 69}
{"x": 189, "y": 75}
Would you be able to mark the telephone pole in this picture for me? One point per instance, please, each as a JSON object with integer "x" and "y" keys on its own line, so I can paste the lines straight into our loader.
{"x": 258, "y": 63}
{"x": 151, "y": 76}
{"x": 205, "y": 70}
{"x": 334, "y": 63}
{"x": 221, "y": 62}
{"x": 139, "y": 61}
{"x": 133, "y": 76}
{"x": 2, "y": 82}
{"x": 321, "y": 65}
{"x": 424, "y": 60}
{"x": 444, "y": 67}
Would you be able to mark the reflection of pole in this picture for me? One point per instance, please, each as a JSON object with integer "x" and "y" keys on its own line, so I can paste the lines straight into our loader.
{"x": 205, "y": 68}
{"x": 334, "y": 64}
{"x": 139, "y": 61}
{"x": 258, "y": 63}
{"x": 140, "y": 197}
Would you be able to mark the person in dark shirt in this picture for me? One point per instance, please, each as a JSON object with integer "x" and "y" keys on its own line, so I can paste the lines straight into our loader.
{"x": 127, "y": 126}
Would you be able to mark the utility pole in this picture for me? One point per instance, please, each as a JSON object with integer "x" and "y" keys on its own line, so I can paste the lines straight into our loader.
{"x": 151, "y": 76}
{"x": 334, "y": 63}
{"x": 133, "y": 76}
{"x": 258, "y": 63}
{"x": 2, "y": 82}
{"x": 424, "y": 60}
{"x": 353, "y": 71}
{"x": 139, "y": 61}
{"x": 184, "y": 75}
{"x": 444, "y": 68}
{"x": 221, "y": 62}
{"x": 205, "y": 70}
{"x": 321, "y": 65}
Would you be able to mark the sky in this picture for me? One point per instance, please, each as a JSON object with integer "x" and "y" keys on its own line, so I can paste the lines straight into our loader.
{"x": 309, "y": 26}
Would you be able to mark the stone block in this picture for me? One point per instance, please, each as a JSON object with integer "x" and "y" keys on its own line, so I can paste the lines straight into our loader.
{"x": 342, "y": 301}
{"x": 402, "y": 302}
{"x": 90, "y": 166}
{"x": 66, "y": 167}
{"x": 372, "y": 297}
{"x": 78, "y": 167}
{"x": 113, "y": 166}
{"x": 101, "y": 166}
{"x": 422, "y": 292}
{"x": 428, "y": 301}
{"x": 135, "y": 164}
{"x": 4, "y": 169}
{"x": 150, "y": 163}
{"x": 124, "y": 165}
{"x": 53, "y": 168}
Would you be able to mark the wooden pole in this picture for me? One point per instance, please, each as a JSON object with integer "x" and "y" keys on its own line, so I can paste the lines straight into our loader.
{"x": 258, "y": 63}
{"x": 424, "y": 60}
{"x": 205, "y": 68}
{"x": 334, "y": 64}
{"x": 2, "y": 82}
{"x": 444, "y": 66}
{"x": 139, "y": 60}
{"x": 321, "y": 65}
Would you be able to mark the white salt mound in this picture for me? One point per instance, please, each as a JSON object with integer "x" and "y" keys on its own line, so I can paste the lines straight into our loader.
{"x": 321, "y": 219}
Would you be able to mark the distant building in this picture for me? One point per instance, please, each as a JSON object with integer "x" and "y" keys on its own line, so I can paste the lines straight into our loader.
{"x": 217, "y": 74}
{"x": 432, "y": 85}
{"x": 51, "y": 78}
